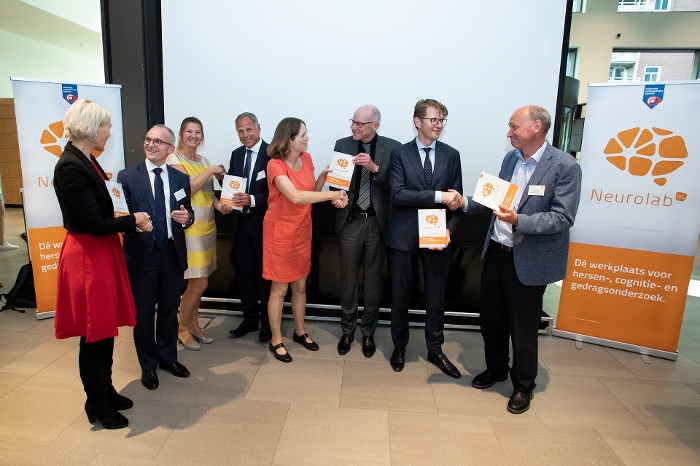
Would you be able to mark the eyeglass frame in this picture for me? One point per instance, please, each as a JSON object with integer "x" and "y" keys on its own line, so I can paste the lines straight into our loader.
{"x": 156, "y": 142}
{"x": 360, "y": 123}
{"x": 435, "y": 121}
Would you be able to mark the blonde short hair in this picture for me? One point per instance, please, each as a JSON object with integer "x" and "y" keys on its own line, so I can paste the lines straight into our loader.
{"x": 83, "y": 118}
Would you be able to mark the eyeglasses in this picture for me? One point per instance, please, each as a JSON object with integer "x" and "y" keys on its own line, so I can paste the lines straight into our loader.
{"x": 435, "y": 121}
{"x": 156, "y": 142}
{"x": 360, "y": 123}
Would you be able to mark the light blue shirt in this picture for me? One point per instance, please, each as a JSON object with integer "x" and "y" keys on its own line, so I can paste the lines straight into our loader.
{"x": 421, "y": 153}
{"x": 502, "y": 231}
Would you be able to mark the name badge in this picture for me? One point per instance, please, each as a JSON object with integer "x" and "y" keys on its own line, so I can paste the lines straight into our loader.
{"x": 179, "y": 194}
{"x": 535, "y": 190}
{"x": 261, "y": 175}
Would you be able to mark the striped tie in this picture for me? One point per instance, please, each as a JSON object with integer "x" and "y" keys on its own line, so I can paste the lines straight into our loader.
{"x": 363, "y": 198}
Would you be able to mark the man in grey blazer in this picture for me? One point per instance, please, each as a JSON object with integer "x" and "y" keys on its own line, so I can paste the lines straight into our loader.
{"x": 362, "y": 226}
{"x": 525, "y": 249}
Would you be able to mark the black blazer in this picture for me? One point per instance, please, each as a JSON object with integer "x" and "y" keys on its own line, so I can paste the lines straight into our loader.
{"x": 258, "y": 187}
{"x": 380, "y": 186}
{"x": 139, "y": 197}
{"x": 409, "y": 192}
{"x": 83, "y": 197}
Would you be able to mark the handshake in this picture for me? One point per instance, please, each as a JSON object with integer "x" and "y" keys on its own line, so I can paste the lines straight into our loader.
{"x": 452, "y": 199}
{"x": 342, "y": 199}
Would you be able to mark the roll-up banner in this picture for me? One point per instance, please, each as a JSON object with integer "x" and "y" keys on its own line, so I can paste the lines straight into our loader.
{"x": 39, "y": 110}
{"x": 634, "y": 241}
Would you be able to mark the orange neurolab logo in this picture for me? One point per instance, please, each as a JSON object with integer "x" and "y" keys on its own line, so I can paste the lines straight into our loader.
{"x": 116, "y": 192}
{"x": 234, "y": 185}
{"x": 432, "y": 219}
{"x": 487, "y": 190}
{"x": 640, "y": 151}
{"x": 54, "y": 138}
{"x": 342, "y": 163}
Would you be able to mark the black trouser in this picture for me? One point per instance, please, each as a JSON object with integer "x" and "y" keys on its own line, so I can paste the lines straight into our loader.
{"x": 511, "y": 311}
{"x": 251, "y": 284}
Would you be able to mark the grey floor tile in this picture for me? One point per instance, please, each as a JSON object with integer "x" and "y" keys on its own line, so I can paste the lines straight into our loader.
{"x": 581, "y": 401}
{"x": 320, "y": 435}
{"x": 649, "y": 449}
{"x": 10, "y": 381}
{"x": 683, "y": 369}
{"x": 561, "y": 357}
{"x": 303, "y": 380}
{"x": 241, "y": 432}
{"x": 420, "y": 439}
{"x": 561, "y": 445}
{"x": 377, "y": 386}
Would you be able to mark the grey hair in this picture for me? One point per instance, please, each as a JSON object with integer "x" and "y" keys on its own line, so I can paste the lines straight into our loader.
{"x": 376, "y": 114}
{"x": 252, "y": 117}
{"x": 170, "y": 132}
{"x": 83, "y": 119}
{"x": 539, "y": 113}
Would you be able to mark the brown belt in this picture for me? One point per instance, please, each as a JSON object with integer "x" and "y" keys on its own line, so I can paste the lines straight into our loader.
{"x": 503, "y": 246}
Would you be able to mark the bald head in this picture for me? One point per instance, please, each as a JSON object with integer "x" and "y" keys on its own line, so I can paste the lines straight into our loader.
{"x": 365, "y": 123}
{"x": 528, "y": 128}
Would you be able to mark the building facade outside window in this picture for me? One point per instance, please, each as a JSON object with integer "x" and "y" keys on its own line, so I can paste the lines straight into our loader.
{"x": 652, "y": 73}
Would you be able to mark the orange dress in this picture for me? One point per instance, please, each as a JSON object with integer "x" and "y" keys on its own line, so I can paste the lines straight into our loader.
{"x": 287, "y": 227}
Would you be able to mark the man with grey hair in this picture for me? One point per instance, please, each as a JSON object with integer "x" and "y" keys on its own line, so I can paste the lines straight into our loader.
{"x": 250, "y": 161}
{"x": 362, "y": 226}
{"x": 525, "y": 249}
{"x": 157, "y": 260}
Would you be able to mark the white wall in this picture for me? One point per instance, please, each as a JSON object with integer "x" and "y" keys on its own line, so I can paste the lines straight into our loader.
{"x": 28, "y": 58}
{"x": 320, "y": 60}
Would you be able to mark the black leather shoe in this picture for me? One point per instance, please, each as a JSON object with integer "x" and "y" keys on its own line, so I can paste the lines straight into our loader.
{"x": 487, "y": 379}
{"x": 286, "y": 357}
{"x": 302, "y": 341}
{"x": 368, "y": 346}
{"x": 177, "y": 369}
{"x": 519, "y": 401}
{"x": 397, "y": 359}
{"x": 244, "y": 329}
{"x": 149, "y": 379}
{"x": 119, "y": 402}
{"x": 344, "y": 343}
{"x": 265, "y": 334}
{"x": 444, "y": 364}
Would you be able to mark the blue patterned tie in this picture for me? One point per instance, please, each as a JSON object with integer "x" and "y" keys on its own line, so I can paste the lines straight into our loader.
{"x": 428, "y": 168}
{"x": 246, "y": 169}
{"x": 160, "y": 225}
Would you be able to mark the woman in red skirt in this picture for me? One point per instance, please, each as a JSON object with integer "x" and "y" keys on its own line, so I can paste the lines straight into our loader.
{"x": 93, "y": 294}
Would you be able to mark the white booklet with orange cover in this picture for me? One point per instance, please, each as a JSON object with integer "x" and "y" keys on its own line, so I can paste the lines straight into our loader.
{"x": 492, "y": 191}
{"x": 432, "y": 228}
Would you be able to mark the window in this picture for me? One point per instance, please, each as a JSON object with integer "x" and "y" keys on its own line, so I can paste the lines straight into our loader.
{"x": 644, "y": 5}
{"x": 652, "y": 73}
{"x": 579, "y": 6}
{"x": 571, "y": 63}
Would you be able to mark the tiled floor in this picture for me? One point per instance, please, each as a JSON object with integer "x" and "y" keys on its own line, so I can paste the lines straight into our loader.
{"x": 240, "y": 406}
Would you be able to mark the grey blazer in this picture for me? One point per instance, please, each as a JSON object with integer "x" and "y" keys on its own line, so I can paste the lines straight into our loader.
{"x": 541, "y": 238}
{"x": 380, "y": 188}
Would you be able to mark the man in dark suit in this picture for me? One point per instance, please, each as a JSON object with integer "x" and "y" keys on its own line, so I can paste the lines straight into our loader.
{"x": 525, "y": 249}
{"x": 250, "y": 161}
{"x": 157, "y": 260}
{"x": 424, "y": 174}
{"x": 362, "y": 226}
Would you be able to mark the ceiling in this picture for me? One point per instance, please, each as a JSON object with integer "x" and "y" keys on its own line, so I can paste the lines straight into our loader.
{"x": 73, "y": 25}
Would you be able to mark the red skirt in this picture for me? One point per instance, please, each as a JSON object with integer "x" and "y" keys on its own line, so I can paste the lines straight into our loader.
{"x": 286, "y": 252}
{"x": 93, "y": 292}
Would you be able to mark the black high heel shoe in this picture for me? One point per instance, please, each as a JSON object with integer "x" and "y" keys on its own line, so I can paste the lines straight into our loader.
{"x": 108, "y": 416}
{"x": 118, "y": 401}
{"x": 302, "y": 341}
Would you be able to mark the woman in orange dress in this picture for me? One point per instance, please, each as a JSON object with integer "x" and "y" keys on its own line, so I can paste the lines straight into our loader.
{"x": 93, "y": 293}
{"x": 287, "y": 228}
